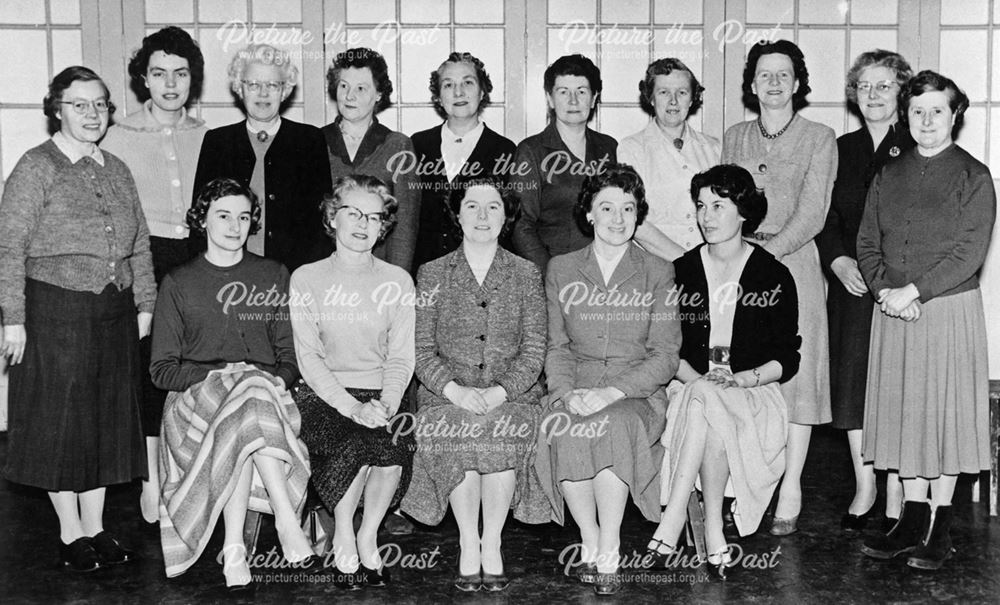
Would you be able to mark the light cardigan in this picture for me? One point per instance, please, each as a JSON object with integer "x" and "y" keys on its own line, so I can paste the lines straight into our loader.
{"x": 163, "y": 160}
{"x": 666, "y": 174}
{"x": 353, "y": 328}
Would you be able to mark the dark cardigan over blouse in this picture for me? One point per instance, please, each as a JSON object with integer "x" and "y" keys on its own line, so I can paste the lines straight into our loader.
{"x": 765, "y": 323}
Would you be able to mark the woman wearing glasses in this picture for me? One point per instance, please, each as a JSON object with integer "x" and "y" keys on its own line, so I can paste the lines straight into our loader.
{"x": 874, "y": 84}
{"x": 353, "y": 321}
{"x": 76, "y": 294}
{"x": 283, "y": 162}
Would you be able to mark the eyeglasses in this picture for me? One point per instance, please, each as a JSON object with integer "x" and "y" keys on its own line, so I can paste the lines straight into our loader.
{"x": 882, "y": 87}
{"x": 255, "y": 86}
{"x": 83, "y": 106}
{"x": 356, "y": 215}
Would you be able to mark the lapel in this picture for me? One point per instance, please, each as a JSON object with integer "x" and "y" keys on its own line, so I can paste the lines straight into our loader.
{"x": 374, "y": 137}
{"x": 627, "y": 268}
{"x": 499, "y": 273}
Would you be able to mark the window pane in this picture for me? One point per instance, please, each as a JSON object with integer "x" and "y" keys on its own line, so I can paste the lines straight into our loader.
{"x": 965, "y": 12}
{"x": 863, "y": 40}
{"x": 494, "y": 117}
{"x": 169, "y": 11}
{"x": 23, "y": 47}
{"x": 620, "y": 122}
{"x": 22, "y": 129}
{"x": 830, "y": 116}
{"x": 822, "y": 11}
{"x": 770, "y": 12}
{"x": 566, "y": 11}
{"x": 277, "y": 11}
{"x": 563, "y": 43}
{"x": 488, "y": 46}
{"x": 415, "y": 119}
{"x": 679, "y": 44}
{"x": 22, "y": 11}
{"x": 622, "y": 66}
{"x": 479, "y": 11}
{"x": 221, "y": 11}
{"x": 995, "y": 143}
{"x": 677, "y": 12}
{"x": 419, "y": 61}
{"x": 972, "y": 137}
{"x": 824, "y": 52}
{"x": 67, "y": 50}
{"x": 625, "y": 11}
{"x": 874, "y": 11}
{"x": 217, "y": 55}
{"x": 65, "y": 11}
{"x": 995, "y": 94}
{"x": 221, "y": 116}
{"x": 371, "y": 11}
{"x": 426, "y": 11}
{"x": 963, "y": 59}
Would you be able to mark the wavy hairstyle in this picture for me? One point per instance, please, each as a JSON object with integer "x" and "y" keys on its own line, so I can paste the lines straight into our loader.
{"x": 930, "y": 81}
{"x": 261, "y": 54}
{"x": 217, "y": 189}
{"x": 877, "y": 58}
{"x": 735, "y": 184}
{"x": 781, "y": 47}
{"x": 52, "y": 103}
{"x": 173, "y": 41}
{"x": 361, "y": 58}
{"x": 511, "y": 201}
{"x": 333, "y": 201}
{"x": 623, "y": 177}
{"x": 665, "y": 67}
{"x": 485, "y": 84}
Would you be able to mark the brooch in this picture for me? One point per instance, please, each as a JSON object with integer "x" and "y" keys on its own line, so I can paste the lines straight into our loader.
{"x": 893, "y": 151}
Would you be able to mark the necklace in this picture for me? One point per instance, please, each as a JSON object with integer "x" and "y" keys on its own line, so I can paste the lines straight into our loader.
{"x": 355, "y": 138}
{"x": 679, "y": 141}
{"x": 771, "y": 137}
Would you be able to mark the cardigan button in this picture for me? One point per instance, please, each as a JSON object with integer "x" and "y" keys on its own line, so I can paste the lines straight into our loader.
{"x": 270, "y": 196}
{"x": 483, "y": 304}
{"x": 482, "y": 337}
{"x": 481, "y": 366}
{"x": 762, "y": 168}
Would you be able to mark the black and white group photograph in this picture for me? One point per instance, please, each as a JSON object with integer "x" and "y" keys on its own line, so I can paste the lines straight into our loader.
{"x": 520, "y": 301}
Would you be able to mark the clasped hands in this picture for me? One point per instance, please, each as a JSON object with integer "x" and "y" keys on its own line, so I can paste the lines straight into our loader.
{"x": 373, "y": 414}
{"x": 903, "y": 303}
{"x": 584, "y": 402}
{"x": 476, "y": 400}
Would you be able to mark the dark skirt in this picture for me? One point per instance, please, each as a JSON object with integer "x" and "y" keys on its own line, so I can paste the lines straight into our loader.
{"x": 850, "y": 320}
{"x": 167, "y": 254}
{"x": 74, "y": 400}
{"x": 339, "y": 447}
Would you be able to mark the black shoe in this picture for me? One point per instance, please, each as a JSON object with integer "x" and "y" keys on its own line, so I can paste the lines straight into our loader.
{"x": 851, "y": 522}
{"x": 347, "y": 581}
{"x": 607, "y": 583}
{"x": 936, "y": 547}
{"x": 729, "y": 529}
{"x": 888, "y": 523}
{"x": 397, "y": 525}
{"x": 149, "y": 529}
{"x": 110, "y": 550}
{"x": 495, "y": 582}
{"x": 470, "y": 583}
{"x": 905, "y": 536}
{"x": 660, "y": 555}
{"x": 376, "y": 578}
{"x": 586, "y": 573}
{"x": 79, "y": 555}
{"x": 721, "y": 570}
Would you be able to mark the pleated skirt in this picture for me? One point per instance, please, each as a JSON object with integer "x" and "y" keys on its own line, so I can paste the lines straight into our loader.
{"x": 73, "y": 415}
{"x": 928, "y": 390}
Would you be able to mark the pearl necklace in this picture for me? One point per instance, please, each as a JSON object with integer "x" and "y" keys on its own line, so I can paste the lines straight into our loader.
{"x": 771, "y": 137}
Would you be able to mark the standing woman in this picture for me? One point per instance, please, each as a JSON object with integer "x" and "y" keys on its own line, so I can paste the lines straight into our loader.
{"x": 283, "y": 162}
{"x": 874, "y": 84}
{"x": 614, "y": 341}
{"x": 666, "y": 154}
{"x": 480, "y": 350}
{"x": 359, "y": 82}
{"x": 353, "y": 315}
{"x": 794, "y": 161}
{"x": 922, "y": 242}
{"x": 462, "y": 148}
{"x": 160, "y": 145}
{"x": 550, "y": 167}
{"x": 230, "y": 427}
{"x": 75, "y": 269}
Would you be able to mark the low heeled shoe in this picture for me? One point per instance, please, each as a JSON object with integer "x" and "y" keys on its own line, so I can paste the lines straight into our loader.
{"x": 79, "y": 555}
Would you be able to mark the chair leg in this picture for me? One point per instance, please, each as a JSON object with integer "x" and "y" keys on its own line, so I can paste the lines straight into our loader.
{"x": 994, "y": 445}
{"x": 696, "y": 525}
{"x": 251, "y": 531}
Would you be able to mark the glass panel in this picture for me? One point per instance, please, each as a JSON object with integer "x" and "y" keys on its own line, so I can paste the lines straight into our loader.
{"x": 853, "y": 122}
{"x": 217, "y": 55}
{"x": 625, "y": 11}
{"x": 171, "y": 12}
{"x": 620, "y": 122}
{"x": 488, "y": 46}
{"x": 822, "y": 11}
{"x": 679, "y": 45}
{"x": 479, "y": 11}
{"x": 494, "y": 118}
{"x": 733, "y": 36}
{"x": 294, "y": 113}
{"x": 963, "y": 59}
{"x": 824, "y": 52}
{"x": 221, "y": 11}
{"x": 22, "y": 11}
{"x": 415, "y": 119}
{"x": 995, "y": 92}
{"x": 67, "y": 49}
{"x": 417, "y": 66}
{"x": 277, "y": 11}
{"x": 771, "y": 12}
{"x": 874, "y": 11}
{"x": 220, "y": 116}
{"x": 371, "y": 11}
{"x": 22, "y": 129}
{"x": 679, "y": 12}
{"x": 965, "y": 12}
{"x": 972, "y": 137}
{"x": 561, "y": 44}
{"x": 995, "y": 145}
{"x": 23, "y": 47}
{"x": 64, "y": 11}
{"x": 566, "y": 11}
{"x": 830, "y": 116}
{"x": 426, "y": 11}
{"x": 863, "y": 40}
{"x": 622, "y": 67}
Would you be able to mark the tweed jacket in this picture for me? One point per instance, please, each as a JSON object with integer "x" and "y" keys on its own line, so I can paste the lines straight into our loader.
{"x": 626, "y": 335}
{"x": 297, "y": 176}
{"x": 480, "y": 336}
{"x": 437, "y": 235}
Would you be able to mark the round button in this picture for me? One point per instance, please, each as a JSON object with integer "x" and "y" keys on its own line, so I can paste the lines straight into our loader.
{"x": 270, "y": 196}
{"x": 108, "y": 228}
{"x": 171, "y": 157}
{"x": 112, "y": 264}
{"x": 178, "y": 229}
{"x": 481, "y": 366}
{"x": 176, "y": 182}
{"x": 167, "y": 131}
{"x": 482, "y": 337}
{"x": 483, "y": 304}
{"x": 685, "y": 167}
{"x": 762, "y": 168}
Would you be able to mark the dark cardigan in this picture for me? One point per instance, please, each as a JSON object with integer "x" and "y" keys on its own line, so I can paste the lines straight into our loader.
{"x": 296, "y": 177}
{"x": 760, "y": 333}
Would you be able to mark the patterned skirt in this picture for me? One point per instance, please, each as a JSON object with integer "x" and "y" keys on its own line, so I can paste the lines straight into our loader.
{"x": 340, "y": 447}
{"x": 209, "y": 434}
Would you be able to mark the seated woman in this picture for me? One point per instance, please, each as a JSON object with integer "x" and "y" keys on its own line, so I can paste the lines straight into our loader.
{"x": 727, "y": 423}
{"x": 228, "y": 362}
{"x": 352, "y": 316}
{"x": 614, "y": 342}
{"x": 480, "y": 348}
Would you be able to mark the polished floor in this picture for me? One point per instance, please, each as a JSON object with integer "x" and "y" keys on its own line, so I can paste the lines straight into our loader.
{"x": 818, "y": 564}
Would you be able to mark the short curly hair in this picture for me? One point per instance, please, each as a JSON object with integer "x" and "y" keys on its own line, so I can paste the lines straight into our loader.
{"x": 511, "y": 202}
{"x": 931, "y": 81}
{"x": 261, "y": 54}
{"x": 623, "y": 177}
{"x": 574, "y": 65}
{"x": 52, "y": 103}
{"x": 781, "y": 47}
{"x": 877, "y": 58}
{"x": 735, "y": 184}
{"x": 361, "y": 58}
{"x": 173, "y": 41}
{"x": 216, "y": 189}
{"x": 333, "y": 201}
{"x": 485, "y": 83}
{"x": 665, "y": 67}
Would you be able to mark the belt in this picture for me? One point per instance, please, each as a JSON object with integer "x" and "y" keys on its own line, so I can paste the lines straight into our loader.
{"x": 761, "y": 237}
{"x": 719, "y": 355}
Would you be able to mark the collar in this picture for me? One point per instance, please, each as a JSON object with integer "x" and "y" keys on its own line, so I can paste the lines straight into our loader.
{"x": 273, "y": 130}
{"x": 150, "y": 123}
{"x": 374, "y": 137}
{"x": 628, "y": 266}
{"x": 449, "y": 137}
{"x": 73, "y": 153}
